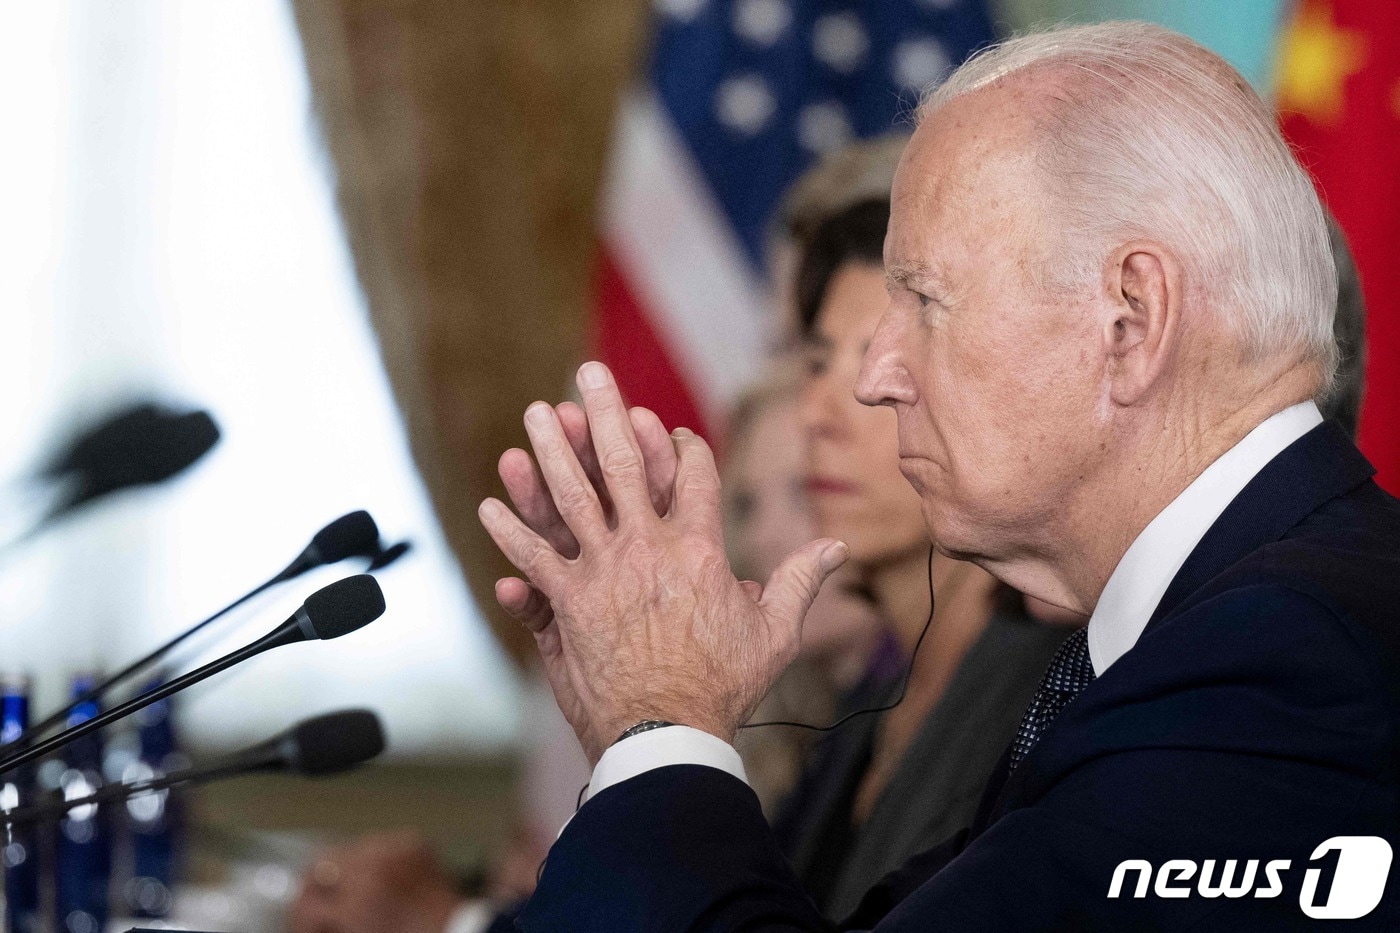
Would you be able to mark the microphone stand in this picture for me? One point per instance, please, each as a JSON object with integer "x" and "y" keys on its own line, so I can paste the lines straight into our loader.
{"x": 293, "y": 570}
{"x": 287, "y": 633}
{"x": 332, "y": 611}
{"x": 99, "y": 690}
{"x": 357, "y": 734}
{"x": 55, "y": 807}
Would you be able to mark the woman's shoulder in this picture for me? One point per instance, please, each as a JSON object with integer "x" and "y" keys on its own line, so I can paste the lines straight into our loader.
{"x": 1011, "y": 630}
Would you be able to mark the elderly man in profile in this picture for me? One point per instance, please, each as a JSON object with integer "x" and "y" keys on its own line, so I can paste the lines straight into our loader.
{"x": 1110, "y": 311}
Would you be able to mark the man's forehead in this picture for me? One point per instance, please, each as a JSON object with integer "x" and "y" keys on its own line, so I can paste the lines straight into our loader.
{"x": 968, "y": 166}
{"x": 984, "y": 132}
{"x": 916, "y": 218}
{"x": 910, "y": 253}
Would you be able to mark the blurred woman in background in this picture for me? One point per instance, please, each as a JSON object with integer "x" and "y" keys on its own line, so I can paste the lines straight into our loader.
{"x": 767, "y": 515}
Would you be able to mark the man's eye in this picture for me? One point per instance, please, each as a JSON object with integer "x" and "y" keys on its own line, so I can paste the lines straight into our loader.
{"x": 924, "y": 300}
{"x": 814, "y": 365}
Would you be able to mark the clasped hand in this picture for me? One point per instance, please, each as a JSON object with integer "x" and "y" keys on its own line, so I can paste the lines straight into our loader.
{"x": 627, "y": 588}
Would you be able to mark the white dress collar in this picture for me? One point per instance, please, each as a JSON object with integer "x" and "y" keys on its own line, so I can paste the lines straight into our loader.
{"x": 1142, "y": 576}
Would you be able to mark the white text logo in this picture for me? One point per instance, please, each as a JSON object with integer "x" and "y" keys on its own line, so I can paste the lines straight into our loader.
{"x": 1345, "y": 881}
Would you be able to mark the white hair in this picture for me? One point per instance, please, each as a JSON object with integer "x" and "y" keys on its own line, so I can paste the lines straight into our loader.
{"x": 1148, "y": 134}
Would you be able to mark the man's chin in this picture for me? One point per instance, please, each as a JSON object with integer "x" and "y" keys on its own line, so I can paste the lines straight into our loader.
{"x": 947, "y": 535}
{"x": 935, "y": 520}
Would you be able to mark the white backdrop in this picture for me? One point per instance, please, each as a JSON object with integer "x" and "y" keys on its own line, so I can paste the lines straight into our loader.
{"x": 167, "y": 225}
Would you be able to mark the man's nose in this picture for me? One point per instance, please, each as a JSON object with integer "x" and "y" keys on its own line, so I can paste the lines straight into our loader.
{"x": 884, "y": 376}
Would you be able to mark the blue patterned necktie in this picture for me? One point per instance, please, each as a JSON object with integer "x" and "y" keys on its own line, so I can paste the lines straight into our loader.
{"x": 1070, "y": 671}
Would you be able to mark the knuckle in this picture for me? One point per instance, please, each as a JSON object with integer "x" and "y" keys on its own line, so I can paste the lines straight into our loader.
{"x": 619, "y": 459}
{"x": 715, "y": 568}
{"x": 638, "y": 551}
{"x": 698, "y": 483}
{"x": 700, "y": 541}
{"x": 574, "y": 498}
{"x": 700, "y": 465}
{"x": 529, "y": 549}
{"x": 698, "y": 448}
{"x": 707, "y": 484}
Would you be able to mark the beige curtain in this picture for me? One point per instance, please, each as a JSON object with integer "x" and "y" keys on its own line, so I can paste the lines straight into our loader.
{"x": 469, "y": 137}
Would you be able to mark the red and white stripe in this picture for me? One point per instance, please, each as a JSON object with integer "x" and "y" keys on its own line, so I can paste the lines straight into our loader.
{"x": 681, "y": 316}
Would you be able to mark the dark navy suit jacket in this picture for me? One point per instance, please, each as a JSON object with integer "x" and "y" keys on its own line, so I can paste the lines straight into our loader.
{"x": 1255, "y": 718}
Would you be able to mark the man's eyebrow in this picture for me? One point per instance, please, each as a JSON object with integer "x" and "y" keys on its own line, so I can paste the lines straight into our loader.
{"x": 903, "y": 273}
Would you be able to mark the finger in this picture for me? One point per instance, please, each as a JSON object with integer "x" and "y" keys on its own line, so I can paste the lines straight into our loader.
{"x": 524, "y": 603}
{"x": 568, "y": 485}
{"x": 530, "y": 553}
{"x": 659, "y": 455}
{"x": 658, "y": 452}
{"x": 752, "y": 589}
{"x": 797, "y": 580}
{"x": 619, "y": 456}
{"x": 530, "y": 495}
{"x": 697, "y": 496}
{"x": 575, "y": 424}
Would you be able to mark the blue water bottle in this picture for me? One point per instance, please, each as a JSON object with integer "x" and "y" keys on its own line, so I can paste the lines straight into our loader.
{"x": 20, "y": 854}
{"x": 83, "y": 870}
{"x": 155, "y": 820}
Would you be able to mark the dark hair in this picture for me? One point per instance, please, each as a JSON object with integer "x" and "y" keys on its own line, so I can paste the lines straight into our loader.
{"x": 853, "y": 234}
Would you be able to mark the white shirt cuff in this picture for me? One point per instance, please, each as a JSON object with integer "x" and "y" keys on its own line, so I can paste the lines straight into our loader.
{"x": 673, "y": 745}
{"x": 471, "y": 917}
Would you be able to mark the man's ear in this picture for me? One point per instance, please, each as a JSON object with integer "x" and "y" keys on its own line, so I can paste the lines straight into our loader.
{"x": 1144, "y": 291}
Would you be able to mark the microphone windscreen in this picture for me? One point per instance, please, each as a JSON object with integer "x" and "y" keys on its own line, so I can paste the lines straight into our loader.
{"x": 192, "y": 435}
{"x": 344, "y": 606}
{"x": 351, "y": 535}
{"x": 140, "y": 446}
{"x": 335, "y": 742}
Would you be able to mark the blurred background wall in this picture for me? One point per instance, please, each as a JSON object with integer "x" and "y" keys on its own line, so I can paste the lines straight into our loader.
{"x": 1241, "y": 30}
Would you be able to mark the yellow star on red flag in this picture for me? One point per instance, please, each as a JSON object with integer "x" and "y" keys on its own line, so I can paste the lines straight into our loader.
{"x": 1315, "y": 59}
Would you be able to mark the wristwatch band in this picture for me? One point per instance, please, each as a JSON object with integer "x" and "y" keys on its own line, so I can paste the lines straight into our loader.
{"x": 646, "y": 725}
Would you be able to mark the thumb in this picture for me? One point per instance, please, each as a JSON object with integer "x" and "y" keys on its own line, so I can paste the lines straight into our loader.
{"x": 798, "y": 579}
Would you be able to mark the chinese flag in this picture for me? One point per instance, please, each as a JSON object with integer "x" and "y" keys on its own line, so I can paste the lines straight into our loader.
{"x": 1339, "y": 104}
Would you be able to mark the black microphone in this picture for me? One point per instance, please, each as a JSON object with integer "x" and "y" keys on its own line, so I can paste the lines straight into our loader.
{"x": 322, "y": 745}
{"x": 351, "y": 535}
{"x": 330, "y": 612}
{"x": 138, "y": 446}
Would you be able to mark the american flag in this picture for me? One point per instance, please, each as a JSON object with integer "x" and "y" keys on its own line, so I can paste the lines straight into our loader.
{"x": 741, "y": 96}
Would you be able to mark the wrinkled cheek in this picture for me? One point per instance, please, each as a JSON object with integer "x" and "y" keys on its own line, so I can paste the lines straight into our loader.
{"x": 992, "y": 461}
